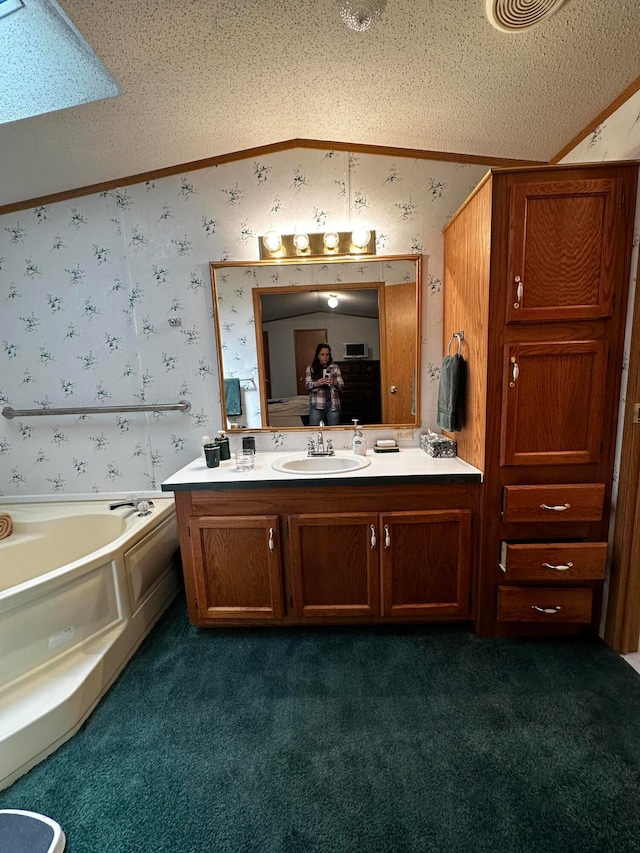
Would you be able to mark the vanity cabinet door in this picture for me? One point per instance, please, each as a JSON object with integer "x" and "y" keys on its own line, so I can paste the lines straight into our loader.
{"x": 334, "y": 564}
{"x": 426, "y": 563}
{"x": 564, "y": 246}
{"x": 553, "y": 402}
{"x": 237, "y": 567}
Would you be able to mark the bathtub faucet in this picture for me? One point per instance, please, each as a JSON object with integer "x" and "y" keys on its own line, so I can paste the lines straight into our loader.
{"x": 143, "y": 506}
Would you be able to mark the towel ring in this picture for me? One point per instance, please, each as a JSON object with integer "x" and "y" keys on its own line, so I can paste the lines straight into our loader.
{"x": 460, "y": 337}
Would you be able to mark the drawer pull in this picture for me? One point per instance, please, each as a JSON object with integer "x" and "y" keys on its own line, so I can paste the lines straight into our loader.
{"x": 373, "y": 537}
{"x": 519, "y": 291}
{"x": 559, "y": 568}
{"x": 548, "y": 611}
{"x": 556, "y": 508}
{"x": 515, "y": 371}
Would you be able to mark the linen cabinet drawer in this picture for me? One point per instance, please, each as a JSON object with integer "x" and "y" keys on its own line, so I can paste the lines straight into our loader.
{"x": 568, "y": 502}
{"x": 553, "y": 561}
{"x": 544, "y": 604}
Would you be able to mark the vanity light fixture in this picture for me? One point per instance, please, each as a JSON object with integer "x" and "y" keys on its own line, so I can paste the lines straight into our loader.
{"x": 272, "y": 241}
{"x": 332, "y": 301}
{"x": 301, "y": 242}
{"x": 337, "y": 244}
{"x": 331, "y": 241}
{"x": 360, "y": 237}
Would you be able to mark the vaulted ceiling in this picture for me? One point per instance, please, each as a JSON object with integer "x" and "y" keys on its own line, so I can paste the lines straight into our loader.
{"x": 202, "y": 78}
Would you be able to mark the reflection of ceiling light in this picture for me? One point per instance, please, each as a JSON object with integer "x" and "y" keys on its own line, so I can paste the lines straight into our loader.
{"x": 301, "y": 242}
{"x": 359, "y": 15}
{"x": 360, "y": 238}
{"x": 272, "y": 241}
{"x": 331, "y": 240}
{"x": 332, "y": 301}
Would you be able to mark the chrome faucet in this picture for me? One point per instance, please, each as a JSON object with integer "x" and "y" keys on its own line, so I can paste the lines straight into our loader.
{"x": 143, "y": 506}
{"x": 320, "y": 449}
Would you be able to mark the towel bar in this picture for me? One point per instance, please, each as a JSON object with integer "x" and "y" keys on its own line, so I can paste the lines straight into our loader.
{"x": 183, "y": 406}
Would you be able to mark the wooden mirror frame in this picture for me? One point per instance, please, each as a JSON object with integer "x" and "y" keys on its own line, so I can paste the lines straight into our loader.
{"x": 405, "y": 342}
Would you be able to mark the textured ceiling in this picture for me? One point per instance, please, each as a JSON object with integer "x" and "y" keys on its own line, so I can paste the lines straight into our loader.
{"x": 201, "y": 78}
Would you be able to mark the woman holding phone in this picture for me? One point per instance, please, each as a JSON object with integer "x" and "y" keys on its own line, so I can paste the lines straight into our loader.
{"x": 324, "y": 382}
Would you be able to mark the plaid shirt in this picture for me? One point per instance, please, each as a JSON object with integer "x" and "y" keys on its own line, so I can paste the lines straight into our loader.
{"x": 318, "y": 396}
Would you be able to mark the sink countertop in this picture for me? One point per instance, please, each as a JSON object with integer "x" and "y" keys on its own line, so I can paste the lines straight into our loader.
{"x": 410, "y": 465}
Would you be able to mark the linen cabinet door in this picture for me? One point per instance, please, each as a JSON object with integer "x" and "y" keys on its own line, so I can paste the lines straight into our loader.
{"x": 334, "y": 564}
{"x": 563, "y": 244}
{"x": 426, "y": 563}
{"x": 553, "y": 402}
{"x": 237, "y": 567}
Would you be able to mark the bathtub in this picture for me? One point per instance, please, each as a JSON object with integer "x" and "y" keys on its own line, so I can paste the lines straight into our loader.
{"x": 80, "y": 587}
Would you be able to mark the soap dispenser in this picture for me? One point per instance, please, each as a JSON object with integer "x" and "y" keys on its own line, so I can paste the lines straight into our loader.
{"x": 359, "y": 445}
{"x": 223, "y": 443}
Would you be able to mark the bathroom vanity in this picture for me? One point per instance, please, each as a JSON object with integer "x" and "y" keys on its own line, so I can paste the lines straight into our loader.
{"x": 392, "y": 542}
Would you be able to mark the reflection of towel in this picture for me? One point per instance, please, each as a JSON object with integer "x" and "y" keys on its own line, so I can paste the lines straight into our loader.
{"x": 6, "y": 525}
{"x": 451, "y": 393}
{"x": 233, "y": 400}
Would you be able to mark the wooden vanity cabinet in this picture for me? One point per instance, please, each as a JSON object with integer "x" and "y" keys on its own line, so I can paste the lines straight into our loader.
{"x": 405, "y": 564}
{"x": 236, "y": 566}
{"x": 268, "y": 556}
{"x": 537, "y": 269}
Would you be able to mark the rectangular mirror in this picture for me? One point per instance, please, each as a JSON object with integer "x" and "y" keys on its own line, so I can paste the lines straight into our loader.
{"x": 271, "y": 315}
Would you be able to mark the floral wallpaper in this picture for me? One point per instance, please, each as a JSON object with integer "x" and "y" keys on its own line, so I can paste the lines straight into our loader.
{"x": 106, "y": 301}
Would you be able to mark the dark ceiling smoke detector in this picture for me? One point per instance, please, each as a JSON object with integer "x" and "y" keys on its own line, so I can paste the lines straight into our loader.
{"x": 512, "y": 16}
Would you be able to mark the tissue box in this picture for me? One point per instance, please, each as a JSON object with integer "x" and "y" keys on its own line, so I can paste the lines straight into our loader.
{"x": 438, "y": 445}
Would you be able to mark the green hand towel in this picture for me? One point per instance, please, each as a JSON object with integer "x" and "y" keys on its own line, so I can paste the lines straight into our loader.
{"x": 233, "y": 400}
{"x": 451, "y": 393}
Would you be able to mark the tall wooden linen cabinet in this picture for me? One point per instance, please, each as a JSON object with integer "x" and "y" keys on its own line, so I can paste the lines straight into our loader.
{"x": 537, "y": 265}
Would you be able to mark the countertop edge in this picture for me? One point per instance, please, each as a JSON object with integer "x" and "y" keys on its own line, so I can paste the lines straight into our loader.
{"x": 307, "y": 481}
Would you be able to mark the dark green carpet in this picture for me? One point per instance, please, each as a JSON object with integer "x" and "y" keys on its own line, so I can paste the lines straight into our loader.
{"x": 409, "y": 739}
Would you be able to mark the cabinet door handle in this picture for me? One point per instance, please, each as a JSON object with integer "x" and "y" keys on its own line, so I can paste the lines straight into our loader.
{"x": 549, "y": 611}
{"x": 556, "y": 508}
{"x": 272, "y": 544}
{"x": 387, "y": 536}
{"x": 519, "y": 291}
{"x": 515, "y": 371}
{"x": 393, "y": 389}
{"x": 560, "y": 567}
{"x": 373, "y": 537}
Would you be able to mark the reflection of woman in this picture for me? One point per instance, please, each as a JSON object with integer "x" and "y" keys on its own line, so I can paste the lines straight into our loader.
{"x": 324, "y": 382}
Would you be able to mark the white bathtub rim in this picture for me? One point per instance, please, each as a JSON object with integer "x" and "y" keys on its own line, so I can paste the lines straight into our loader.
{"x": 108, "y": 554}
{"x": 83, "y": 496}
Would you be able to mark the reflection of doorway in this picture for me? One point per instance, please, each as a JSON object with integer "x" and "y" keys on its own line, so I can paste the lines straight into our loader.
{"x": 398, "y": 406}
{"x": 267, "y": 363}
{"x": 305, "y": 342}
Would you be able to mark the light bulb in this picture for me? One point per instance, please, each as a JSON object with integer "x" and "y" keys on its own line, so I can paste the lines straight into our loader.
{"x": 332, "y": 301}
{"x": 272, "y": 241}
{"x": 360, "y": 238}
{"x": 331, "y": 240}
{"x": 301, "y": 242}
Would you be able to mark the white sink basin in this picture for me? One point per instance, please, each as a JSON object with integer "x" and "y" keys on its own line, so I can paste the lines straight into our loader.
{"x": 320, "y": 464}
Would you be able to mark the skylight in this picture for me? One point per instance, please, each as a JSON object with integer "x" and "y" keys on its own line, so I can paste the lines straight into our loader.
{"x": 45, "y": 63}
